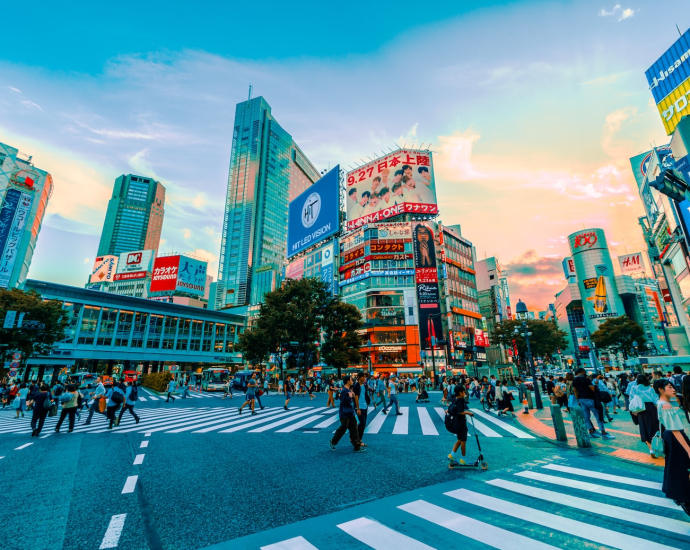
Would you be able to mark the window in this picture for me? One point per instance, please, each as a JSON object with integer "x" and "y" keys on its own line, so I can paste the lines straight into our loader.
{"x": 89, "y": 322}
{"x": 140, "y": 320}
{"x": 183, "y": 334}
{"x": 169, "y": 333}
{"x": 153, "y": 339}
{"x": 124, "y": 327}
{"x": 107, "y": 329}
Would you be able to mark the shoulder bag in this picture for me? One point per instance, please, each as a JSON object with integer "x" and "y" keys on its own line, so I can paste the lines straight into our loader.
{"x": 658, "y": 445}
{"x": 636, "y": 405}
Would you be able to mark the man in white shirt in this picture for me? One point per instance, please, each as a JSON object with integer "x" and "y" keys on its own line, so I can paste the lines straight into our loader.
{"x": 98, "y": 394}
{"x": 393, "y": 395}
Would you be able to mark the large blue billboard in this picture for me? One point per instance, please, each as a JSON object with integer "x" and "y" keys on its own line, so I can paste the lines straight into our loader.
{"x": 315, "y": 214}
{"x": 671, "y": 69}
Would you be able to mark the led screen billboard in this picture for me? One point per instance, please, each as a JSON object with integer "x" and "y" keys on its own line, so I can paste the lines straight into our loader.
{"x": 426, "y": 278}
{"x": 13, "y": 220}
{"x": 400, "y": 182}
{"x": 104, "y": 269}
{"x": 314, "y": 215}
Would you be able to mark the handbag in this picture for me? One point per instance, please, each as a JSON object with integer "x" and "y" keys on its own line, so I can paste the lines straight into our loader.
{"x": 636, "y": 405}
{"x": 658, "y": 445}
{"x": 102, "y": 405}
{"x": 53, "y": 410}
{"x": 606, "y": 397}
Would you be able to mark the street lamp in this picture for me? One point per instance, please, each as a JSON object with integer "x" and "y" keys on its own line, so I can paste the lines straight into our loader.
{"x": 433, "y": 348}
{"x": 369, "y": 356}
{"x": 521, "y": 314}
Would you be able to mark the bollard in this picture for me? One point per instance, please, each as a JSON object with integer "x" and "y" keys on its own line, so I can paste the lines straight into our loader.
{"x": 558, "y": 425}
{"x": 530, "y": 403}
{"x": 581, "y": 431}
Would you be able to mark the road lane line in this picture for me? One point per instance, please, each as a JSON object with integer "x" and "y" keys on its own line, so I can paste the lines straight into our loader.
{"x": 147, "y": 434}
{"x": 275, "y": 413}
{"x": 402, "y": 424}
{"x": 253, "y": 422}
{"x": 213, "y": 422}
{"x": 284, "y": 421}
{"x": 607, "y": 510}
{"x": 299, "y": 424}
{"x": 472, "y": 528}
{"x": 375, "y": 425}
{"x": 112, "y": 534}
{"x": 428, "y": 427}
{"x": 139, "y": 459}
{"x": 328, "y": 422}
{"x": 607, "y": 477}
{"x": 600, "y": 489}
{"x": 144, "y": 444}
{"x": 23, "y": 446}
{"x": 130, "y": 484}
{"x": 298, "y": 543}
{"x": 572, "y": 527}
{"x": 504, "y": 425}
{"x": 380, "y": 537}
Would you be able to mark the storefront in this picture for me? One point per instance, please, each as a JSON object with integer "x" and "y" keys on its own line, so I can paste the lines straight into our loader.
{"x": 391, "y": 348}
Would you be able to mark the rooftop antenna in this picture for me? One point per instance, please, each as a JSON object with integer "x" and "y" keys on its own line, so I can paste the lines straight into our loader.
{"x": 250, "y": 92}
{"x": 404, "y": 145}
{"x": 413, "y": 144}
{"x": 679, "y": 33}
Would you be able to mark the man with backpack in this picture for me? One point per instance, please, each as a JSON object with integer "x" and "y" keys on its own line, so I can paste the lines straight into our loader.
{"x": 677, "y": 381}
{"x": 362, "y": 401}
{"x": 456, "y": 423}
{"x": 98, "y": 395}
{"x": 116, "y": 397}
{"x": 131, "y": 397}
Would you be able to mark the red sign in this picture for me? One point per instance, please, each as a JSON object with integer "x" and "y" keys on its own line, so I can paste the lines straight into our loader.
{"x": 481, "y": 338}
{"x": 165, "y": 273}
{"x": 134, "y": 258}
{"x": 390, "y": 247}
{"x": 358, "y": 270}
{"x": 666, "y": 294}
{"x": 130, "y": 275}
{"x": 510, "y": 314}
{"x": 353, "y": 255}
{"x": 585, "y": 239}
{"x": 426, "y": 275}
{"x": 389, "y": 256}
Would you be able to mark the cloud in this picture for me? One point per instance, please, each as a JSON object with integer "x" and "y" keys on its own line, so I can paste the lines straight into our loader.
{"x": 534, "y": 279}
{"x": 618, "y": 13}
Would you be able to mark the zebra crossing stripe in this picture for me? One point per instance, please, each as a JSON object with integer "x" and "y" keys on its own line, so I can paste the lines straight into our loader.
{"x": 155, "y": 415}
{"x": 380, "y": 537}
{"x": 472, "y": 528}
{"x": 256, "y": 422}
{"x": 276, "y": 413}
{"x": 176, "y": 423}
{"x": 402, "y": 425}
{"x": 607, "y": 477}
{"x": 298, "y": 543}
{"x": 284, "y": 421}
{"x": 212, "y": 424}
{"x": 569, "y": 526}
{"x": 375, "y": 424}
{"x": 158, "y": 421}
{"x": 328, "y": 422}
{"x": 507, "y": 427}
{"x": 142, "y": 398}
{"x": 607, "y": 510}
{"x": 479, "y": 426}
{"x": 600, "y": 489}
{"x": 303, "y": 422}
{"x": 428, "y": 427}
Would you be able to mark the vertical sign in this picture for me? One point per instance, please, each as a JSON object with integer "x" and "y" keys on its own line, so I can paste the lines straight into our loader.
{"x": 13, "y": 218}
{"x": 426, "y": 277}
{"x": 327, "y": 266}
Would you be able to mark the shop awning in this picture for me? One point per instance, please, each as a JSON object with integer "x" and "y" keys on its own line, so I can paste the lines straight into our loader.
{"x": 409, "y": 370}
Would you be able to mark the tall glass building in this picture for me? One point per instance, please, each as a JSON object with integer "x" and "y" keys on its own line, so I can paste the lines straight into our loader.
{"x": 134, "y": 219}
{"x": 267, "y": 170}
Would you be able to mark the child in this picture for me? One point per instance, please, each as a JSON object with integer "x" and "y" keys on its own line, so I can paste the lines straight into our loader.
{"x": 460, "y": 426}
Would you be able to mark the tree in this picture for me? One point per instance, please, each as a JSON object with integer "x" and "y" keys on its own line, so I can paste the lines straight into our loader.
{"x": 546, "y": 338}
{"x": 254, "y": 346}
{"x": 31, "y": 343}
{"x": 618, "y": 334}
{"x": 341, "y": 344}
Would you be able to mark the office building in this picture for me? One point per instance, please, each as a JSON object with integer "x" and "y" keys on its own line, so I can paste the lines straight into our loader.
{"x": 25, "y": 192}
{"x": 494, "y": 305}
{"x": 134, "y": 218}
{"x": 267, "y": 169}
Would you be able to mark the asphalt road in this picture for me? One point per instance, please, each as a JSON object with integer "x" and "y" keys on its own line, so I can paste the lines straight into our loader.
{"x": 195, "y": 490}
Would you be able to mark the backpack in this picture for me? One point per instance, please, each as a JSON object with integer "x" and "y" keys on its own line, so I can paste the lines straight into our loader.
{"x": 451, "y": 417}
{"x": 677, "y": 381}
{"x": 117, "y": 397}
{"x": 80, "y": 400}
{"x": 47, "y": 404}
{"x": 134, "y": 394}
{"x": 58, "y": 391}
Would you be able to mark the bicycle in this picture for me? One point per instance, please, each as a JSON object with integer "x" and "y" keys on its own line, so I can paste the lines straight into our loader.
{"x": 488, "y": 403}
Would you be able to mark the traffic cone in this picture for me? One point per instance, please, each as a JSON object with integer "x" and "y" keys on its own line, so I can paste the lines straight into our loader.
{"x": 524, "y": 404}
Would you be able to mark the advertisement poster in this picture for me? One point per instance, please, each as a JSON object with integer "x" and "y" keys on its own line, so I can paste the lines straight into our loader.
{"x": 104, "y": 269}
{"x": 315, "y": 214}
{"x": 631, "y": 263}
{"x": 191, "y": 276}
{"x": 11, "y": 235}
{"x": 133, "y": 262}
{"x": 424, "y": 247}
{"x": 165, "y": 274}
{"x": 384, "y": 231}
{"x": 426, "y": 277}
{"x": 481, "y": 338}
{"x": 398, "y": 183}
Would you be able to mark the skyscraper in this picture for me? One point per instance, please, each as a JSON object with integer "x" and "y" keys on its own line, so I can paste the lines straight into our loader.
{"x": 135, "y": 216}
{"x": 267, "y": 169}
{"x": 24, "y": 194}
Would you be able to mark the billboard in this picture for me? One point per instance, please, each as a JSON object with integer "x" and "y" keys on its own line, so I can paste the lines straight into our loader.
{"x": 398, "y": 183}
{"x": 137, "y": 261}
{"x": 315, "y": 214}
{"x": 426, "y": 278}
{"x": 13, "y": 219}
{"x": 386, "y": 231}
{"x": 481, "y": 338}
{"x": 631, "y": 263}
{"x": 569, "y": 268}
{"x": 104, "y": 269}
{"x": 179, "y": 273}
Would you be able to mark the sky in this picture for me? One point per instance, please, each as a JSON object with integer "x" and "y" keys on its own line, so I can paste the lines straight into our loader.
{"x": 532, "y": 109}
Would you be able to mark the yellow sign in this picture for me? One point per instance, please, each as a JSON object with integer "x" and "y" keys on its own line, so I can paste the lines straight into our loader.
{"x": 675, "y": 106}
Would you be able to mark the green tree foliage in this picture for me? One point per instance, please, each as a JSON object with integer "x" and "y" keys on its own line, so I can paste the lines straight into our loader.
{"x": 618, "y": 334}
{"x": 546, "y": 338}
{"x": 31, "y": 343}
{"x": 255, "y": 346}
{"x": 341, "y": 344}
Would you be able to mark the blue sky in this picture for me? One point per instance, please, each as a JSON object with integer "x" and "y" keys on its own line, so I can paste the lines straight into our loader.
{"x": 533, "y": 109}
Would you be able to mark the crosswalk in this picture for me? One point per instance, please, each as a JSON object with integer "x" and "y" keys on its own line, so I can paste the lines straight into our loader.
{"x": 312, "y": 419}
{"x": 145, "y": 396}
{"x": 539, "y": 506}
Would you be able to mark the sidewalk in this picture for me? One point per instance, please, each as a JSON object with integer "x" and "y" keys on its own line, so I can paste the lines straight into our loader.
{"x": 627, "y": 444}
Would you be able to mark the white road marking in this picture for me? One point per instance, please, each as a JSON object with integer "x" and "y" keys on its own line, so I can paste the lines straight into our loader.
{"x": 480, "y": 426}
{"x": 328, "y": 422}
{"x": 402, "y": 422}
{"x": 130, "y": 484}
{"x": 139, "y": 459}
{"x": 569, "y": 526}
{"x": 112, "y": 534}
{"x": 147, "y": 434}
{"x": 284, "y": 421}
{"x": 299, "y": 424}
{"x": 607, "y": 510}
{"x": 376, "y": 423}
{"x": 298, "y": 543}
{"x": 607, "y": 477}
{"x": 504, "y": 425}
{"x": 428, "y": 427}
{"x": 144, "y": 444}
{"x": 472, "y": 528}
{"x": 380, "y": 537}
{"x": 141, "y": 398}
{"x": 275, "y": 413}
{"x": 600, "y": 489}
{"x": 23, "y": 446}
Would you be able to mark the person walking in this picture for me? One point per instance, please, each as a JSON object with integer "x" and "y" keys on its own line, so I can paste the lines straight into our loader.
{"x": 266, "y": 385}
{"x": 171, "y": 389}
{"x": 381, "y": 391}
{"x": 131, "y": 398}
{"x": 198, "y": 384}
{"x": 42, "y": 405}
{"x": 362, "y": 401}
{"x": 584, "y": 394}
{"x": 227, "y": 388}
{"x": 330, "y": 392}
{"x": 251, "y": 395}
{"x": 646, "y": 419}
{"x": 185, "y": 391}
{"x": 288, "y": 393}
{"x": 505, "y": 398}
{"x": 115, "y": 397}
{"x": 347, "y": 418}
{"x": 460, "y": 413}
{"x": 69, "y": 401}
{"x": 257, "y": 391}
{"x": 393, "y": 396}
{"x": 604, "y": 396}
{"x": 99, "y": 394}
{"x": 20, "y": 399}
{"x": 569, "y": 391}
{"x": 612, "y": 385}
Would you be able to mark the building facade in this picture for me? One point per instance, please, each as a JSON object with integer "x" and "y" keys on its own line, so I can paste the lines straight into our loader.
{"x": 134, "y": 219}
{"x": 267, "y": 169}
{"x": 25, "y": 192}
{"x": 494, "y": 305}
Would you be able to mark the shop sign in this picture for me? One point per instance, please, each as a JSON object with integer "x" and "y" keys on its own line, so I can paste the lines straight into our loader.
{"x": 480, "y": 356}
{"x": 588, "y": 240}
{"x": 389, "y": 348}
{"x": 590, "y": 283}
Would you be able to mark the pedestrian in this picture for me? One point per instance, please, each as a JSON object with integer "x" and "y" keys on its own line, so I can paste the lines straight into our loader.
{"x": 251, "y": 395}
{"x": 99, "y": 394}
{"x": 569, "y": 391}
{"x": 622, "y": 388}
{"x": 227, "y": 388}
{"x": 393, "y": 396}
{"x": 381, "y": 391}
{"x": 115, "y": 397}
{"x": 362, "y": 401}
{"x": 311, "y": 390}
{"x": 288, "y": 393}
{"x": 347, "y": 418}
{"x": 677, "y": 380}
{"x": 676, "y": 483}
{"x": 585, "y": 396}
{"x": 505, "y": 404}
{"x": 458, "y": 409}
{"x": 605, "y": 397}
{"x": 643, "y": 401}
{"x": 69, "y": 401}
{"x": 185, "y": 391}
{"x": 171, "y": 389}
{"x": 330, "y": 392}
{"x": 42, "y": 405}
{"x": 613, "y": 391}
{"x": 198, "y": 384}
{"x": 20, "y": 399}
{"x": 280, "y": 387}
{"x": 131, "y": 398}
{"x": 266, "y": 385}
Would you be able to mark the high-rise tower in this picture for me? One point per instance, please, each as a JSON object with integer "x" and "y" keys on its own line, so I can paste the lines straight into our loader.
{"x": 267, "y": 169}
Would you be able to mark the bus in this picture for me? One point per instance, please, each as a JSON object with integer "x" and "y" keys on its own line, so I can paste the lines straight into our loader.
{"x": 214, "y": 379}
